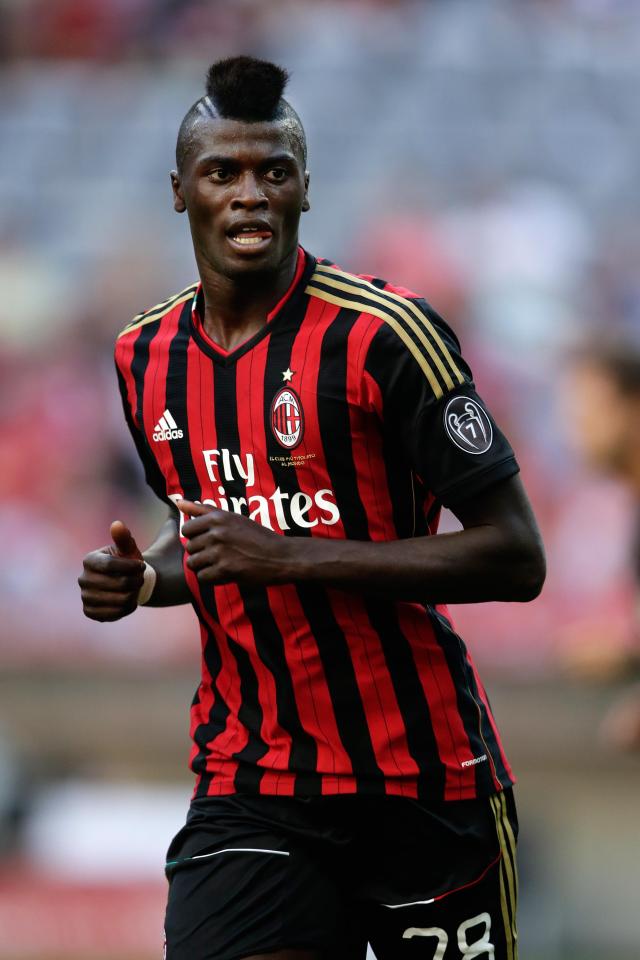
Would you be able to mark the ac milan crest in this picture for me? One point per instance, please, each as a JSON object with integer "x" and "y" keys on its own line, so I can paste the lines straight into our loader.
{"x": 287, "y": 418}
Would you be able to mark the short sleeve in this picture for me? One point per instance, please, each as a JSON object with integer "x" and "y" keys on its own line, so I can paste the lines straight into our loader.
{"x": 429, "y": 403}
{"x": 153, "y": 475}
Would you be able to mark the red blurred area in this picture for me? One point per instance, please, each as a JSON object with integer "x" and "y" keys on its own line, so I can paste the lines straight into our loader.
{"x": 80, "y": 921}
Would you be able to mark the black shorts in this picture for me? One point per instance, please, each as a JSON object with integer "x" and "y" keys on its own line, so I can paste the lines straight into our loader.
{"x": 252, "y": 875}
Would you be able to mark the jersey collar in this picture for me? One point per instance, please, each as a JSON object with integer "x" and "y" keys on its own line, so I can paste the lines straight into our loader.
{"x": 305, "y": 267}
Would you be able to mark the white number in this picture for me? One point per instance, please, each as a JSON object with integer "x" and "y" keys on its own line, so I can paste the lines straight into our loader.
{"x": 479, "y": 947}
{"x": 443, "y": 939}
{"x": 468, "y": 951}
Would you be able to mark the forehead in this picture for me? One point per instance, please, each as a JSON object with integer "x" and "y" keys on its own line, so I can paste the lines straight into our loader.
{"x": 241, "y": 141}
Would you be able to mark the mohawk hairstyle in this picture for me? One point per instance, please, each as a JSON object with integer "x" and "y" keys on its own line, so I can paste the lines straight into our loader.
{"x": 246, "y": 89}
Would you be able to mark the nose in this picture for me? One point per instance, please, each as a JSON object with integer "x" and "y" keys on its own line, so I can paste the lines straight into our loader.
{"x": 250, "y": 195}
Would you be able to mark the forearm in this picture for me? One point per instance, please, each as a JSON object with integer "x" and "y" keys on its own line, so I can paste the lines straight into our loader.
{"x": 165, "y": 555}
{"x": 471, "y": 566}
{"x": 498, "y": 555}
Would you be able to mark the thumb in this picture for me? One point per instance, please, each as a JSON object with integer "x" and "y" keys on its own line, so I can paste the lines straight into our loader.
{"x": 124, "y": 542}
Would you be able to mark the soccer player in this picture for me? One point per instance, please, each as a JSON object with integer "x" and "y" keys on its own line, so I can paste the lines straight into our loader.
{"x": 305, "y": 426}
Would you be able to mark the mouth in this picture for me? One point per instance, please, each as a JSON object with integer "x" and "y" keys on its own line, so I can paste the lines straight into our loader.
{"x": 250, "y": 237}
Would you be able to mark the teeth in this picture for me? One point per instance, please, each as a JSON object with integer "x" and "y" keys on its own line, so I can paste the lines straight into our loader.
{"x": 247, "y": 240}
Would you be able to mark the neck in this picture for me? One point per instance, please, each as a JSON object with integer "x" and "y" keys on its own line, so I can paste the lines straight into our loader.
{"x": 237, "y": 307}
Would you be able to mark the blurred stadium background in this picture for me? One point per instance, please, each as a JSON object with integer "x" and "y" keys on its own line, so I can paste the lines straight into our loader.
{"x": 484, "y": 153}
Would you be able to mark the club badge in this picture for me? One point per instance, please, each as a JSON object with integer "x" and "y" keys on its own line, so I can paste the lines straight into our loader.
{"x": 287, "y": 418}
{"x": 467, "y": 425}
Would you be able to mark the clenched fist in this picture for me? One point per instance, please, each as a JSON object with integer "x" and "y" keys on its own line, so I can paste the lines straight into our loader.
{"x": 112, "y": 577}
{"x": 227, "y": 547}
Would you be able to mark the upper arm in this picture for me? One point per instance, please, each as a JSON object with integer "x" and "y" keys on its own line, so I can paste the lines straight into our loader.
{"x": 430, "y": 405}
{"x": 504, "y": 505}
{"x": 504, "y": 514}
{"x": 505, "y": 509}
{"x": 153, "y": 475}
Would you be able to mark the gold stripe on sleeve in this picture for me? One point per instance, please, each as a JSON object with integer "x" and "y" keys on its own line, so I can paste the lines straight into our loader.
{"x": 365, "y": 307}
{"x": 367, "y": 288}
{"x": 156, "y": 313}
{"x": 367, "y": 295}
{"x": 168, "y": 302}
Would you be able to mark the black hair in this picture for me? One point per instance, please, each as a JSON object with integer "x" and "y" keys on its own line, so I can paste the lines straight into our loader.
{"x": 246, "y": 89}
{"x": 243, "y": 88}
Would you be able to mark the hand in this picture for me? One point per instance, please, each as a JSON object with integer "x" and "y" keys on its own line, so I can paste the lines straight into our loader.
{"x": 112, "y": 577}
{"x": 227, "y": 547}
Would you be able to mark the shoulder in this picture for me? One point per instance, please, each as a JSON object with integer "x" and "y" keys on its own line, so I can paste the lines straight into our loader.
{"x": 408, "y": 330}
{"x": 329, "y": 280}
{"x": 160, "y": 310}
{"x": 376, "y": 297}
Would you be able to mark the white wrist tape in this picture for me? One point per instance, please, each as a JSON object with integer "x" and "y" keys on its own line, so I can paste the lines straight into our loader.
{"x": 148, "y": 585}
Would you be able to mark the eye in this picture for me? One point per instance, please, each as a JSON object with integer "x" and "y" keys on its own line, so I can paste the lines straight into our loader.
{"x": 219, "y": 175}
{"x": 277, "y": 174}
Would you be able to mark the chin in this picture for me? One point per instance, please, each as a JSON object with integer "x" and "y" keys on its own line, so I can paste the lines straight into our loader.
{"x": 251, "y": 265}
{"x": 255, "y": 268}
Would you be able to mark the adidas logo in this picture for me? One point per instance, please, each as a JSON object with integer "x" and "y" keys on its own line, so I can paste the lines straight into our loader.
{"x": 166, "y": 428}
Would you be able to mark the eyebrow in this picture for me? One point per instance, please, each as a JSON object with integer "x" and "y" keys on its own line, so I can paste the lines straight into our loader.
{"x": 211, "y": 158}
{"x": 281, "y": 158}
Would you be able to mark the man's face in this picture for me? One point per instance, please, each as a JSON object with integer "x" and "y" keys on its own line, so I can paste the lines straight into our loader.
{"x": 244, "y": 188}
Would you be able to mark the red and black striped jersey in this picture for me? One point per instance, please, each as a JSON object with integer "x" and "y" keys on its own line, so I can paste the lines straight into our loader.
{"x": 350, "y": 414}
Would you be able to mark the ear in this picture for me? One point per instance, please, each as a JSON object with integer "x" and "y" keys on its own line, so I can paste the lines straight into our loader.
{"x": 178, "y": 199}
{"x": 305, "y": 203}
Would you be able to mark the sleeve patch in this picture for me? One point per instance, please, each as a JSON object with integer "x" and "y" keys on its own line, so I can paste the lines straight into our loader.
{"x": 467, "y": 425}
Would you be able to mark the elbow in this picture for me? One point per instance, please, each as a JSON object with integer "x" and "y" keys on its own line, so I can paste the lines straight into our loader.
{"x": 529, "y": 573}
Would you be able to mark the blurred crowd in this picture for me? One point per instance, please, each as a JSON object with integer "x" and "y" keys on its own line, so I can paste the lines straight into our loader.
{"x": 484, "y": 154}
{"x": 113, "y": 30}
